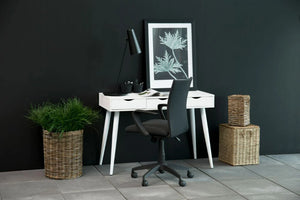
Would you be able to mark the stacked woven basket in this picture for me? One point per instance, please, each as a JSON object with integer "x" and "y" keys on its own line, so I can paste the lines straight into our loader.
{"x": 239, "y": 140}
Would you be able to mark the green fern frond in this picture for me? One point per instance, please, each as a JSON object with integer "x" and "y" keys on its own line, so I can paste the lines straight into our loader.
{"x": 173, "y": 41}
{"x": 166, "y": 64}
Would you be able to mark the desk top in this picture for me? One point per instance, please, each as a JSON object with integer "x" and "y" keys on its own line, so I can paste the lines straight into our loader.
{"x": 196, "y": 93}
{"x": 133, "y": 101}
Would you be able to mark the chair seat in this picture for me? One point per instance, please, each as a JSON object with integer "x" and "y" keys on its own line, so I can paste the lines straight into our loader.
{"x": 155, "y": 127}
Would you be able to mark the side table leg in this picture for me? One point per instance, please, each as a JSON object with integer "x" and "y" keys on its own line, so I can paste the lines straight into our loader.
{"x": 104, "y": 137}
{"x": 206, "y": 136}
{"x": 193, "y": 131}
{"x": 114, "y": 141}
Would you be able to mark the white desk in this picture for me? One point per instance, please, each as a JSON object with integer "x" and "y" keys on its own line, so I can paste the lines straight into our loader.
{"x": 131, "y": 102}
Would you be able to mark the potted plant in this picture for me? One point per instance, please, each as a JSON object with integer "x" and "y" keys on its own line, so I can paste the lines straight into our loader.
{"x": 63, "y": 125}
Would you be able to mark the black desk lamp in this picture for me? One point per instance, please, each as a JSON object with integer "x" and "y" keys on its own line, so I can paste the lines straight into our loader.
{"x": 134, "y": 48}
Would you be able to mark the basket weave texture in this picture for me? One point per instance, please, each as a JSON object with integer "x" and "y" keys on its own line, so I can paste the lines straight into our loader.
{"x": 239, "y": 145}
{"x": 239, "y": 110}
{"x": 63, "y": 155}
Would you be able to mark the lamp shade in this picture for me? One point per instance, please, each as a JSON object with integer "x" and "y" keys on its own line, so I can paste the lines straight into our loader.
{"x": 134, "y": 46}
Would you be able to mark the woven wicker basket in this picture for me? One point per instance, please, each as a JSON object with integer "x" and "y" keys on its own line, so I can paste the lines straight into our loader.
{"x": 239, "y": 145}
{"x": 63, "y": 155}
{"x": 239, "y": 110}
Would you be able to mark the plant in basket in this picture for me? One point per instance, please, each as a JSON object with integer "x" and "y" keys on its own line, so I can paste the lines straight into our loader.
{"x": 63, "y": 125}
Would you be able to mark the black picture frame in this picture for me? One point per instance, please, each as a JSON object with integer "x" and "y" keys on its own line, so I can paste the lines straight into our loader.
{"x": 170, "y": 52}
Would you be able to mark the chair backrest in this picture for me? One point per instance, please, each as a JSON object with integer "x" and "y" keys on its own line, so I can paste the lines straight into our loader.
{"x": 177, "y": 115}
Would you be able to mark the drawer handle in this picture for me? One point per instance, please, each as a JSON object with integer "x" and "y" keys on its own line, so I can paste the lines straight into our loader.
{"x": 128, "y": 99}
{"x": 196, "y": 97}
{"x": 162, "y": 98}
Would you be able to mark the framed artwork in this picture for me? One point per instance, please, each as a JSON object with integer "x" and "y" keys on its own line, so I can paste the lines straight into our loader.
{"x": 169, "y": 52}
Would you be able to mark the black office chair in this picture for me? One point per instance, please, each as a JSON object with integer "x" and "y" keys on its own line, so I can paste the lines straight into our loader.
{"x": 175, "y": 124}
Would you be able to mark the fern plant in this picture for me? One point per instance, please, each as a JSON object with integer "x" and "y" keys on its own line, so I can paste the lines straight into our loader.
{"x": 69, "y": 115}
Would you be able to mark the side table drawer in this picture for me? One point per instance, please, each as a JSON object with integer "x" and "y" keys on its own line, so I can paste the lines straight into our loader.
{"x": 196, "y": 102}
{"x": 128, "y": 103}
{"x": 152, "y": 103}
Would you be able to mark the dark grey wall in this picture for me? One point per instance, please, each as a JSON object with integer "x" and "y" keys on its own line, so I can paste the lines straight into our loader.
{"x": 58, "y": 49}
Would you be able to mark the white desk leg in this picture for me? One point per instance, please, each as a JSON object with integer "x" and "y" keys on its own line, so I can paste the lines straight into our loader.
{"x": 114, "y": 141}
{"x": 193, "y": 131}
{"x": 206, "y": 135}
{"x": 104, "y": 137}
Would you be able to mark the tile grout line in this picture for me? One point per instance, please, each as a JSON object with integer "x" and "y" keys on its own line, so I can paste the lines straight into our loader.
{"x": 219, "y": 181}
{"x": 98, "y": 170}
{"x": 25, "y": 181}
{"x": 282, "y": 162}
{"x": 272, "y": 181}
{"x": 111, "y": 183}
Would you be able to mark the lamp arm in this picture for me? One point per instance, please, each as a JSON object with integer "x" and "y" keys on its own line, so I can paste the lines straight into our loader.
{"x": 122, "y": 61}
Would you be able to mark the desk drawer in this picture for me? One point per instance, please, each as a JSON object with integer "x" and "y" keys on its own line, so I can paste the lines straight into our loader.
{"x": 200, "y": 102}
{"x": 152, "y": 103}
{"x": 128, "y": 103}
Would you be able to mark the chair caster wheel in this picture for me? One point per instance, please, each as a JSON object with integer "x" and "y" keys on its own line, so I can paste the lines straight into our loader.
{"x": 134, "y": 175}
{"x": 190, "y": 174}
{"x": 182, "y": 183}
{"x": 144, "y": 183}
{"x": 161, "y": 171}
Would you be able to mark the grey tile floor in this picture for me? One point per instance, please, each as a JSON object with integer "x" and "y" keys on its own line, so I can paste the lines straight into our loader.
{"x": 276, "y": 177}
